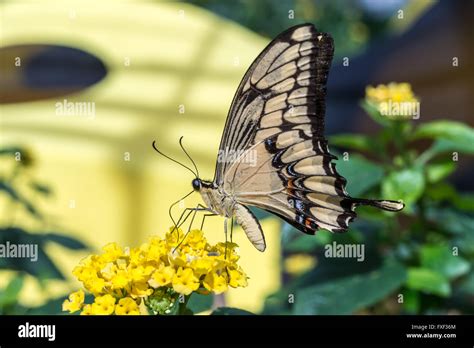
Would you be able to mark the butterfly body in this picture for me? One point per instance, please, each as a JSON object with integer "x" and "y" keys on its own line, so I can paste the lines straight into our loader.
{"x": 221, "y": 203}
{"x": 273, "y": 154}
{"x": 216, "y": 201}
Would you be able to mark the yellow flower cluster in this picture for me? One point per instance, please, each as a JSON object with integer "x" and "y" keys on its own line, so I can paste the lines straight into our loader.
{"x": 395, "y": 92}
{"x": 120, "y": 279}
{"x": 396, "y": 101}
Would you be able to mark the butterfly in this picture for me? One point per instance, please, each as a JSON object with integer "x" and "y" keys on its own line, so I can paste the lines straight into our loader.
{"x": 273, "y": 154}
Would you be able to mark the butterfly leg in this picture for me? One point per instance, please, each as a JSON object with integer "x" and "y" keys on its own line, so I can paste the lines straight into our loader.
{"x": 231, "y": 228}
{"x": 225, "y": 233}
{"x": 204, "y": 219}
{"x": 199, "y": 207}
{"x": 189, "y": 211}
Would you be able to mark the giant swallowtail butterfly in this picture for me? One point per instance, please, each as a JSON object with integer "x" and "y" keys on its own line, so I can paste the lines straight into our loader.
{"x": 273, "y": 154}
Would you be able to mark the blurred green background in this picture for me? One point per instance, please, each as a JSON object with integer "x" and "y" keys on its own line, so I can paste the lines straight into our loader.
{"x": 161, "y": 70}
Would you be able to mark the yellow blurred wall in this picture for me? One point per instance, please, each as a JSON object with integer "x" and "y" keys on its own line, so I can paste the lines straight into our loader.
{"x": 179, "y": 55}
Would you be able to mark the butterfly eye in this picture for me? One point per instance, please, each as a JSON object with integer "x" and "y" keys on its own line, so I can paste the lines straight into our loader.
{"x": 196, "y": 184}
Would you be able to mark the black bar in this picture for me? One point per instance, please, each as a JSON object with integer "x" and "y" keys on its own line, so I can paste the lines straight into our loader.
{"x": 208, "y": 330}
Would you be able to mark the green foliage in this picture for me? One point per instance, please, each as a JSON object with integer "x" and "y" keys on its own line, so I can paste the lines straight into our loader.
{"x": 428, "y": 281}
{"x": 364, "y": 174}
{"x": 407, "y": 185}
{"x": 459, "y": 136}
{"x": 199, "y": 302}
{"x": 230, "y": 311}
{"x": 9, "y": 295}
{"x": 349, "y": 22}
{"x": 417, "y": 261}
{"x": 440, "y": 258}
{"x": 22, "y": 192}
{"x": 349, "y": 294}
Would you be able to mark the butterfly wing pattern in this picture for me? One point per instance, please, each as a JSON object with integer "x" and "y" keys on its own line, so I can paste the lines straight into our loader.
{"x": 273, "y": 154}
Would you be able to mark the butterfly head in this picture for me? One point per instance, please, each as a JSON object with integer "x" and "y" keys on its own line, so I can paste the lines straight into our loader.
{"x": 197, "y": 183}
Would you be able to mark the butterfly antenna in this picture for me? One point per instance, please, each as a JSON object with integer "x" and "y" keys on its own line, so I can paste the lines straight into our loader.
{"x": 187, "y": 154}
{"x": 172, "y": 159}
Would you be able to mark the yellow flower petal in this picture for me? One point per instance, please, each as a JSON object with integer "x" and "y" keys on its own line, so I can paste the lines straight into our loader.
{"x": 75, "y": 302}
{"x": 127, "y": 306}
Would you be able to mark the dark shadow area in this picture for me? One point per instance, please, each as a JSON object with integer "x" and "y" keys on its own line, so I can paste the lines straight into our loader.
{"x": 34, "y": 72}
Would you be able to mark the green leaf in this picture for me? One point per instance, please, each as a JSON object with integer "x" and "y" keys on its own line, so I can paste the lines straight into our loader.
{"x": 440, "y": 192}
{"x": 407, "y": 185}
{"x": 411, "y": 301}
{"x": 306, "y": 243}
{"x": 65, "y": 241}
{"x": 443, "y": 191}
{"x": 451, "y": 135}
{"x": 438, "y": 171}
{"x": 10, "y": 150}
{"x": 347, "y": 295}
{"x": 453, "y": 221}
{"x": 361, "y": 174}
{"x": 354, "y": 141}
{"x": 230, "y": 311}
{"x": 14, "y": 195}
{"x": 440, "y": 258}
{"x": 445, "y": 145}
{"x": 428, "y": 281}
{"x": 467, "y": 284}
{"x": 374, "y": 113}
{"x": 464, "y": 201}
{"x": 40, "y": 265}
{"x": 200, "y": 303}
{"x": 10, "y": 294}
{"x": 458, "y": 224}
{"x": 41, "y": 188}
